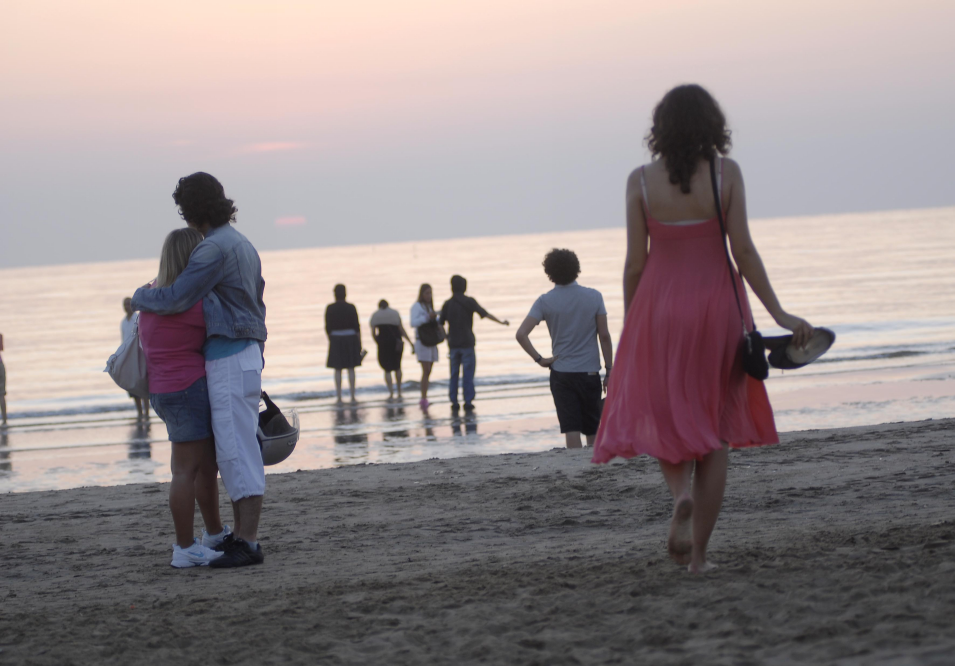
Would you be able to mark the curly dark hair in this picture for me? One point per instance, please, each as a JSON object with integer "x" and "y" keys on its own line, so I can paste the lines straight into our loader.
{"x": 687, "y": 124}
{"x": 561, "y": 266}
{"x": 202, "y": 201}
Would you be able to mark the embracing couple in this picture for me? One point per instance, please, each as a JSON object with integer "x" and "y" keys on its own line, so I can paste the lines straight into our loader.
{"x": 203, "y": 332}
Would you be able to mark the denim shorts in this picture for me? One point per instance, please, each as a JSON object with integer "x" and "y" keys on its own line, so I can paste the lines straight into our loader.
{"x": 186, "y": 413}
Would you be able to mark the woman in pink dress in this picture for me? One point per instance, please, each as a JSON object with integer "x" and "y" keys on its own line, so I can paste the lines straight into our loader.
{"x": 678, "y": 391}
{"x": 178, "y": 393}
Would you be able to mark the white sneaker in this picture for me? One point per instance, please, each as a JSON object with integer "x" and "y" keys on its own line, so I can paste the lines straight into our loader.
{"x": 210, "y": 541}
{"x": 195, "y": 555}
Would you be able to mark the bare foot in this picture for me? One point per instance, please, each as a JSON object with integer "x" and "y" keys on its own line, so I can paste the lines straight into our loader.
{"x": 702, "y": 567}
{"x": 680, "y": 543}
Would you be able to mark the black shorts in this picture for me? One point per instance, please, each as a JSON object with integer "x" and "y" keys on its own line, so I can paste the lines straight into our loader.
{"x": 577, "y": 399}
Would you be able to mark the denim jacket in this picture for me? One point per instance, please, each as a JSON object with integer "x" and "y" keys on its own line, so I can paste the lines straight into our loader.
{"x": 225, "y": 272}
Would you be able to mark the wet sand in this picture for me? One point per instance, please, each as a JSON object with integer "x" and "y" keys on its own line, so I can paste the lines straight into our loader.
{"x": 837, "y": 547}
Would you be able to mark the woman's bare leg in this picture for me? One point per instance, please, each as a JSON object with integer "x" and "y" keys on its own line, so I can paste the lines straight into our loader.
{"x": 708, "y": 488}
{"x": 391, "y": 391}
{"x": 186, "y": 457}
{"x": 338, "y": 385}
{"x": 398, "y": 381}
{"x": 207, "y": 488}
{"x": 351, "y": 383}
{"x": 425, "y": 378}
{"x": 680, "y": 541}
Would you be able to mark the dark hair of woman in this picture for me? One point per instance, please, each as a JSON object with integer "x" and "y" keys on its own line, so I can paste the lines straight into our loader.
{"x": 202, "y": 200}
{"x": 561, "y": 266}
{"x": 382, "y": 304}
{"x": 688, "y": 125}
{"x": 339, "y": 292}
{"x": 421, "y": 299}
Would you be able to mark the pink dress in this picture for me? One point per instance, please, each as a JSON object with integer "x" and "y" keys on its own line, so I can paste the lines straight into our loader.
{"x": 678, "y": 388}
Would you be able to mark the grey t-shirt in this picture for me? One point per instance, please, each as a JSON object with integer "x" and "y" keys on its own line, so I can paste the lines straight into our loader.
{"x": 571, "y": 315}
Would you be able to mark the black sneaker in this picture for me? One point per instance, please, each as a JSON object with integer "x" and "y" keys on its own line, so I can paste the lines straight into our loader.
{"x": 468, "y": 407}
{"x": 238, "y": 554}
{"x": 226, "y": 540}
{"x": 455, "y": 407}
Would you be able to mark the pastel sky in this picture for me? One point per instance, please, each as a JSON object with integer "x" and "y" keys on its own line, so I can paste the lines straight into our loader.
{"x": 366, "y": 121}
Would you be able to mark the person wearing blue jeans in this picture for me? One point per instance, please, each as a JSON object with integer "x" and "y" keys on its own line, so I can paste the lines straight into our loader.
{"x": 458, "y": 313}
{"x": 462, "y": 357}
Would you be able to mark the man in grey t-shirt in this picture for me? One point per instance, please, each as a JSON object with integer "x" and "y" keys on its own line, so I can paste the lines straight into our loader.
{"x": 576, "y": 319}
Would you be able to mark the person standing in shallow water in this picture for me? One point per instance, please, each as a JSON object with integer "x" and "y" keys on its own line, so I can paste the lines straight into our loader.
{"x": 458, "y": 312}
{"x": 126, "y": 327}
{"x": 679, "y": 391}
{"x": 344, "y": 341}
{"x": 3, "y": 389}
{"x": 422, "y": 313}
{"x": 387, "y": 331}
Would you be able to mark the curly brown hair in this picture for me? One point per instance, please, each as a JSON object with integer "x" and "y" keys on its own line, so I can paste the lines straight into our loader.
{"x": 202, "y": 200}
{"x": 687, "y": 124}
{"x": 561, "y": 266}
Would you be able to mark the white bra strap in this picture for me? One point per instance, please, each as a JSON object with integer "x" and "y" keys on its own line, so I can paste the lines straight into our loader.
{"x": 643, "y": 185}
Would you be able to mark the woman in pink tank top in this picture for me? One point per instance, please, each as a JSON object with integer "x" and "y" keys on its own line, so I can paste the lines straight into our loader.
{"x": 178, "y": 394}
{"x": 678, "y": 391}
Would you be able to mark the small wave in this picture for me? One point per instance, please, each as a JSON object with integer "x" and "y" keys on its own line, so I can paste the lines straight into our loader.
{"x": 903, "y": 353}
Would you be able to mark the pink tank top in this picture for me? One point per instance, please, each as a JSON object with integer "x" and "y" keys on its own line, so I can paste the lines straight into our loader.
{"x": 173, "y": 346}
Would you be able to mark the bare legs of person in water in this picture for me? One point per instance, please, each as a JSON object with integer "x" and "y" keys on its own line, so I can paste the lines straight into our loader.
{"x": 351, "y": 385}
{"x": 697, "y": 498}
{"x": 425, "y": 379}
{"x": 391, "y": 391}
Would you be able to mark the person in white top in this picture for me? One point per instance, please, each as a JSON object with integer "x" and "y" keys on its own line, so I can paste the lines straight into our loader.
{"x": 125, "y": 330}
{"x": 387, "y": 331}
{"x": 422, "y": 312}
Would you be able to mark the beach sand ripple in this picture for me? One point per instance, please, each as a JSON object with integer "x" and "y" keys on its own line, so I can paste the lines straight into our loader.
{"x": 836, "y": 547}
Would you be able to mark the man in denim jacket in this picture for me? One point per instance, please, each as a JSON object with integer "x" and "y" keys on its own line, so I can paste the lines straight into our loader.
{"x": 225, "y": 272}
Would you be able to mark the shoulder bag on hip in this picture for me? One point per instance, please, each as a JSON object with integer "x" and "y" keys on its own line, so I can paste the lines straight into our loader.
{"x": 754, "y": 349}
{"x": 127, "y": 366}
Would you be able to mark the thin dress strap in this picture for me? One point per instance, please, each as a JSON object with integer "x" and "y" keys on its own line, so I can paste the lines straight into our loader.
{"x": 643, "y": 185}
{"x": 719, "y": 182}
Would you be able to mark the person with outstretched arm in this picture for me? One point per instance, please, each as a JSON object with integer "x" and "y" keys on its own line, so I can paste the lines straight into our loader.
{"x": 458, "y": 312}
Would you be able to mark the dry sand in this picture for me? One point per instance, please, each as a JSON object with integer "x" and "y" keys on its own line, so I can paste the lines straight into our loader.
{"x": 835, "y": 547}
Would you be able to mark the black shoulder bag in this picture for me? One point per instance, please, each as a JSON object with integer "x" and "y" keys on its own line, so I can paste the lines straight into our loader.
{"x": 754, "y": 349}
{"x": 431, "y": 333}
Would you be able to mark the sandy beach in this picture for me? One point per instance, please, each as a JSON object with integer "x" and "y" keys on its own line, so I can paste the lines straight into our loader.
{"x": 837, "y": 546}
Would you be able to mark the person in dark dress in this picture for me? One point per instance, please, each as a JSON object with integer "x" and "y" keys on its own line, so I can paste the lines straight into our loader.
{"x": 344, "y": 341}
{"x": 388, "y": 332}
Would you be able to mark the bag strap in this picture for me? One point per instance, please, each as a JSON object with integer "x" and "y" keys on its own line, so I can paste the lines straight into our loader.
{"x": 729, "y": 263}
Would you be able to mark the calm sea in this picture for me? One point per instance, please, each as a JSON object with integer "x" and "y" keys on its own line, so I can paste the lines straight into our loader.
{"x": 885, "y": 282}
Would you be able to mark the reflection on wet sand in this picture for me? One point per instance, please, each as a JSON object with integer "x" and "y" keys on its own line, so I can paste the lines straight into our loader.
{"x": 469, "y": 421}
{"x": 5, "y": 464}
{"x": 138, "y": 442}
{"x": 394, "y": 415}
{"x": 344, "y": 434}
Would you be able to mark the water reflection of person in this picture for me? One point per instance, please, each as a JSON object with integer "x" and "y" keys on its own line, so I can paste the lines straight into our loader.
{"x": 126, "y": 329}
{"x": 469, "y": 422}
{"x": 139, "y": 446}
{"x": 395, "y": 415}
{"x": 5, "y": 464}
{"x": 348, "y": 417}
